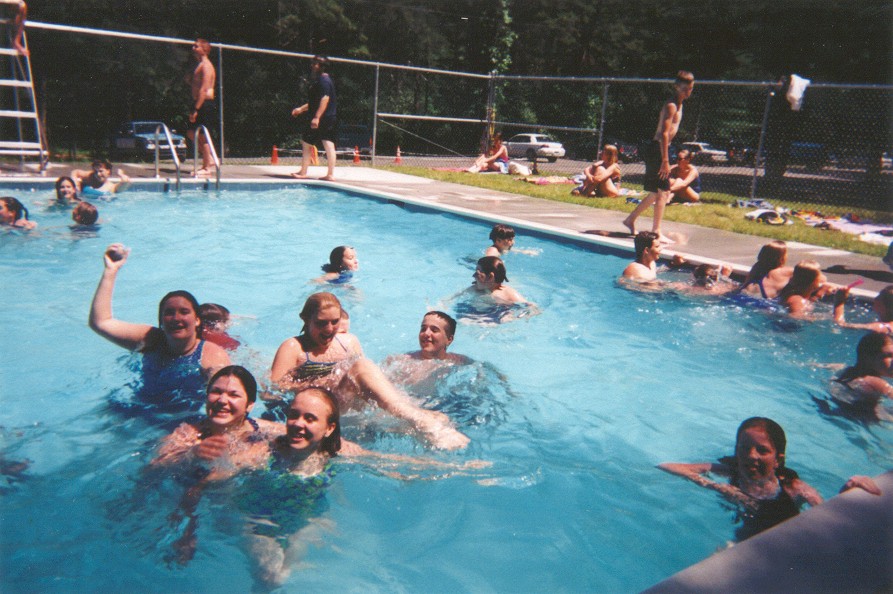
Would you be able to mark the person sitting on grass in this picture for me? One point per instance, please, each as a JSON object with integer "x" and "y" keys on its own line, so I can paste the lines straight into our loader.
{"x": 602, "y": 177}
{"x": 685, "y": 181}
{"x": 496, "y": 159}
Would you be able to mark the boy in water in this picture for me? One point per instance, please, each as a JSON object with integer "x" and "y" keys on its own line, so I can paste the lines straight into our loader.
{"x": 647, "y": 255}
{"x": 656, "y": 156}
{"x": 99, "y": 178}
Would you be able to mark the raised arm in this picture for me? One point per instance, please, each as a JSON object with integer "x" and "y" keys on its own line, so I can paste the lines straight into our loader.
{"x": 102, "y": 321}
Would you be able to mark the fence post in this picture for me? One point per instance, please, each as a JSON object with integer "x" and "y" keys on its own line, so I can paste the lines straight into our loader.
{"x": 759, "y": 156}
{"x": 491, "y": 108}
{"x": 220, "y": 103}
{"x": 601, "y": 123}
{"x": 375, "y": 115}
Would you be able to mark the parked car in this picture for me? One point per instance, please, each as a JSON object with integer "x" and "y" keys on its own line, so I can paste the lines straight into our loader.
{"x": 351, "y": 136}
{"x": 137, "y": 139}
{"x": 741, "y": 154}
{"x": 531, "y": 146}
{"x": 704, "y": 154}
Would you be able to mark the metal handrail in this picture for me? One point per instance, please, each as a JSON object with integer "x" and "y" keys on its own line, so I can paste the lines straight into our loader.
{"x": 170, "y": 143}
{"x": 203, "y": 130}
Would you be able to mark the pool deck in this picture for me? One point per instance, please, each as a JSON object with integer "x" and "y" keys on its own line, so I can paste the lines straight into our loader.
{"x": 844, "y": 545}
{"x": 696, "y": 244}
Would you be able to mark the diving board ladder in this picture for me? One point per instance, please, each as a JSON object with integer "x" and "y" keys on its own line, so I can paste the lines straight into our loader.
{"x": 20, "y": 132}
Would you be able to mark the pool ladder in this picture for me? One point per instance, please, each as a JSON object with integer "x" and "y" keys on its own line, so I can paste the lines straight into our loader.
{"x": 18, "y": 79}
{"x": 170, "y": 144}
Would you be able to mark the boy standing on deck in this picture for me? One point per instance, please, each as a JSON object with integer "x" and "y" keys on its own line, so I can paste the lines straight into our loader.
{"x": 656, "y": 156}
{"x": 204, "y": 111}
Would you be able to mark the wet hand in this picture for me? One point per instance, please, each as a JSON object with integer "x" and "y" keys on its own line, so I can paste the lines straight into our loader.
{"x": 861, "y": 482}
{"x": 115, "y": 255}
{"x": 212, "y": 447}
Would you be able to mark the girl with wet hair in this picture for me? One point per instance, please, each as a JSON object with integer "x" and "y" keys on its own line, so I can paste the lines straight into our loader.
{"x": 807, "y": 285}
{"x": 861, "y": 388}
{"x": 769, "y": 274}
{"x": 14, "y": 214}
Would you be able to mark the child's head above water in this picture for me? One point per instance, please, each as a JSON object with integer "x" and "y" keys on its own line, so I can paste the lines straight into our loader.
{"x": 84, "y": 213}
{"x": 772, "y": 434}
{"x": 503, "y": 237}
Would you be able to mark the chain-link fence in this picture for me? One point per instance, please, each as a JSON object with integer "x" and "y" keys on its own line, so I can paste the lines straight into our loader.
{"x": 746, "y": 139}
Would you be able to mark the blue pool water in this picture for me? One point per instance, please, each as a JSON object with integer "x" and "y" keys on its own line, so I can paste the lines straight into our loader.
{"x": 574, "y": 407}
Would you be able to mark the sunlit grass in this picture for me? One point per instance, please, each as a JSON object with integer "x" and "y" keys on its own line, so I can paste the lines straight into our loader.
{"x": 715, "y": 210}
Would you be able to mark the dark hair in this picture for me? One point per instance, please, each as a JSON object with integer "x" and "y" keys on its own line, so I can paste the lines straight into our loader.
{"x": 705, "y": 273}
{"x": 192, "y": 300}
{"x": 643, "y": 241}
{"x": 886, "y": 299}
{"x": 772, "y": 429}
{"x": 323, "y": 62}
{"x": 495, "y": 266}
{"x": 501, "y": 232}
{"x": 59, "y": 184}
{"x": 336, "y": 259}
{"x": 450, "y": 321}
{"x": 97, "y": 162}
{"x": 204, "y": 44}
{"x": 869, "y": 346}
{"x": 804, "y": 281}
{"x": 331, "y": 444}
{"x": 84, "y": 213}
{"x": 243, "y": 375}
{"x": 213, "y": 314}
{"x": 316, "y": 302}
{"x": 15, "y": 207}
{"x": 685, "y": 77}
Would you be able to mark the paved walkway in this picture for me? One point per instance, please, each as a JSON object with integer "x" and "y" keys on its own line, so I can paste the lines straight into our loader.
{"x": 697, "y": 244}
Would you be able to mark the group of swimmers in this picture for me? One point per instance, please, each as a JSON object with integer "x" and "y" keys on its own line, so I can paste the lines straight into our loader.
{"x": 326, "y": 370}
{"x": 71, "y": 191}
{"x": 766, "y": 490}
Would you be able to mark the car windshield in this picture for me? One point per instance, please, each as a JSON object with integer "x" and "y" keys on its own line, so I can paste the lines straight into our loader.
{"x": 146, "y": 128}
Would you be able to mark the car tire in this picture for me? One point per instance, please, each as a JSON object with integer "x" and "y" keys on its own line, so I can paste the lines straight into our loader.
{"x": 531, "y": 155}
{"x": 552, "y": 159}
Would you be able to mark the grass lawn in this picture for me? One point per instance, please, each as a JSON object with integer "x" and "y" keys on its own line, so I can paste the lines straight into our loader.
{"x": 715, "y": 210}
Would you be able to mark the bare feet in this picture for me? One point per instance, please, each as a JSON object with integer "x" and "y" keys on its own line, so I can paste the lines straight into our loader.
{"x": 201, "y": 172}
{"x": 631, "y": 225}
{"x": 327, "y": 178}
{"x": 299, "y": 175}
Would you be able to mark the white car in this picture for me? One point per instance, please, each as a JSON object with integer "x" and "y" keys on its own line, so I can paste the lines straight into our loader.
{"x": 533, "y": 146}
{"x": 704, "y": 154}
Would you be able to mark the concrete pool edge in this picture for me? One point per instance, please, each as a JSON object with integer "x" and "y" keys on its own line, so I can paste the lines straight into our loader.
{"x": 842, "y": 545}
{"x": 617, "y": 245}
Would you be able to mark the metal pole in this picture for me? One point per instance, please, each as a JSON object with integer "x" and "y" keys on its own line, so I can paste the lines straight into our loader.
{"x": 375, "y": 116}
{"x": 220, "y": 104}
{"x": 758, "y": 157}
{"x": 491, "y": 109}
{"x": 601, "y": 124}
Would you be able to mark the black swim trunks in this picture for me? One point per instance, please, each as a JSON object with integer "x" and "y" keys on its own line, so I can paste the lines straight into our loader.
{"x": 651, "y": 155}
{"x": 207, "y": 116}
{"x": 328, "y": 130}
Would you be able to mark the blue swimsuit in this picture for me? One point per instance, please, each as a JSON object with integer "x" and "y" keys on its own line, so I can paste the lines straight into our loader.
{"x": 165, "y": 375}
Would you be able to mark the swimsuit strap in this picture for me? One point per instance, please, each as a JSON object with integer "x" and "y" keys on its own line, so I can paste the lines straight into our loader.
{"x": 253, "y": 424}
{"x": 762, "y": 289}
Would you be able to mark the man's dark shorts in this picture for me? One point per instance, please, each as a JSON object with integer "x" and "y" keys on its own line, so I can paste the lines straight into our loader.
{"x": 328, "y": 130}
{"x": 652, "y": 157}
{"x": 207, "y": 117}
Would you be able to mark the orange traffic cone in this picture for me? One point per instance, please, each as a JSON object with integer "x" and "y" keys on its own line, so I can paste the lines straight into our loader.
{"x": 399, "y": 159}
{"x": 274, "y": 160}
{"x": 356, "y": 155}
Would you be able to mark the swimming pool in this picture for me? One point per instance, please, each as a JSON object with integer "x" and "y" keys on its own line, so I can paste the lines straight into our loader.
{"x": 597, "y": 390}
